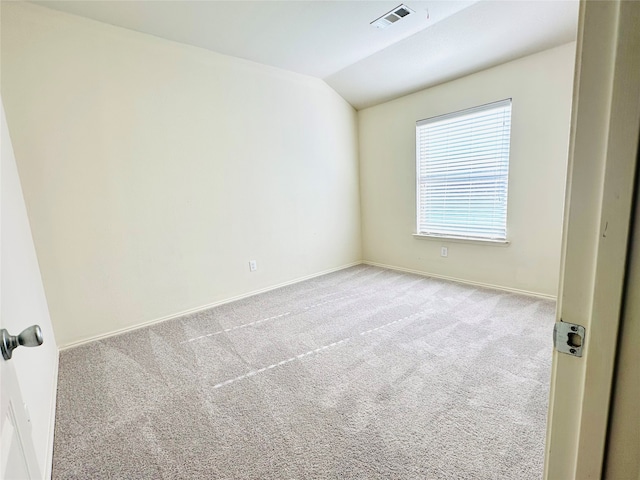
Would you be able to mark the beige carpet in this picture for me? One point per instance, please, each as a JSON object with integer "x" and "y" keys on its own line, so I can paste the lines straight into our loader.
{"x": 361, "y": 374}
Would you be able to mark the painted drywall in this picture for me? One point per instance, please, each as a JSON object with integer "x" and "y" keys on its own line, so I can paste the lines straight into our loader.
{"x": 154, "y": 171}
{"x": 23, "y": 304}
{"x": 541, "y": 88}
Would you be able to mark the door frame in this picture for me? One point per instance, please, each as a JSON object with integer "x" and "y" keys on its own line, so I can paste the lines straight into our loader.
{"x": 599, "y": 200}
{"x": 622, "y": 457}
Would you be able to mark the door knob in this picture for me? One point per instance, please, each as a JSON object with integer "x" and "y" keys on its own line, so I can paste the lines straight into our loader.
{"x": 29, "y": 337}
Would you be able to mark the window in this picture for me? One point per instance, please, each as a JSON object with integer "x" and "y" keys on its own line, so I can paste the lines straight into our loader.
{"x": 462, "y": 173}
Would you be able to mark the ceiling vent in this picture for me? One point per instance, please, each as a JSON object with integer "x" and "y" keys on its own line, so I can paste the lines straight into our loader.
{"x": 392, "y": 17}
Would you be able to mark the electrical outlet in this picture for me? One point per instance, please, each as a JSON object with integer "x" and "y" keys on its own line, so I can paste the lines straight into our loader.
{"x": 253, "y": 265}
{"x": 444, "y": 251}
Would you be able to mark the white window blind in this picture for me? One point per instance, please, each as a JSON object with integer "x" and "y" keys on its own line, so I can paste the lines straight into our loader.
{"x": 463, "y": 173}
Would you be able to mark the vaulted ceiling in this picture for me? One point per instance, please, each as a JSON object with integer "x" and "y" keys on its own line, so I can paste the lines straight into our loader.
{"x": 334, "y": 41}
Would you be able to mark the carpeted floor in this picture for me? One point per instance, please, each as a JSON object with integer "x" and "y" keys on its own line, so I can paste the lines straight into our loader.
{"x": 364, "y": 373}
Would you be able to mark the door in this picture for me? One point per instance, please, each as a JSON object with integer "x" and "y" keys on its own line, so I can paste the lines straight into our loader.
{"x": 600, "y": 186}
{"x": 18, "y": 458}
{"x": 28, "y": 379}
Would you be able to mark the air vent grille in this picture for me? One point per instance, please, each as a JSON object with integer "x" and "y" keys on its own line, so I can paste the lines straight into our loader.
{"x": 392, "y": 17}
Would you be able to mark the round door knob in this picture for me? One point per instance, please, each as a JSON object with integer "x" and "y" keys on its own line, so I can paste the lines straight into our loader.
{"x": 29, "y": 337}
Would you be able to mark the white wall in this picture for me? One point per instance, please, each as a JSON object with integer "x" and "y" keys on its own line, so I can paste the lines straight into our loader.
{"x": 541, "y": 88}
{"x": 23, "y": 303}
{"x": 154, "y": 171}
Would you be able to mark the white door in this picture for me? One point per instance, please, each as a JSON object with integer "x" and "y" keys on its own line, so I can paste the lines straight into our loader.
{"x": 602, "y": 167}
{"x": 17, "y": 458}
{"x": 18, "y": 452}
{"x": 28, "y": 379}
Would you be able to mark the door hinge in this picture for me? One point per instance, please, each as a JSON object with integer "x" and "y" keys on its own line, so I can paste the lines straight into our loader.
{"x": 568, "y": 338}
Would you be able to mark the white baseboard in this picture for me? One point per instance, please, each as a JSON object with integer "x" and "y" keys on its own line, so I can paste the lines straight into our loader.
{"x": 204, "y": 307}
{"x": 291, "y": 282}
{"x": 48, "y": 467}
{"x": 460, "y": 280}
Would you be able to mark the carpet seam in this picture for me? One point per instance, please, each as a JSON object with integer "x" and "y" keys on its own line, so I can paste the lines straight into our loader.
{"x": 190, "y": 311}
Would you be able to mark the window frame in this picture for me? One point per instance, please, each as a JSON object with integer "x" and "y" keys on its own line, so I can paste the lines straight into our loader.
{"x": 448, "y": 236}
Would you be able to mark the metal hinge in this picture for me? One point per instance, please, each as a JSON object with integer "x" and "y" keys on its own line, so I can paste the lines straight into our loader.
{"x": 568, "y": 338}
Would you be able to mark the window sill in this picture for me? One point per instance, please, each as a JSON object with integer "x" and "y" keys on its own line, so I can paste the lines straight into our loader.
{"x": 480, "y": 241}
